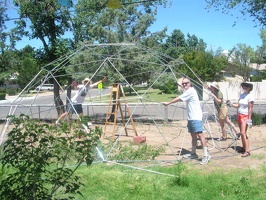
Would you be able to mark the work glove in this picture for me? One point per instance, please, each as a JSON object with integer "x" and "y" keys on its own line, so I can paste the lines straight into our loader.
{"x": 228, "y": 103}
{"x": 249, "y": 123}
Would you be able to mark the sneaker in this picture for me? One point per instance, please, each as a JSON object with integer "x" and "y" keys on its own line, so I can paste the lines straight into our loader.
{"x": 191, "y": 156}
{"x": 205, "y": 160}
{"x": 238, "y": 135}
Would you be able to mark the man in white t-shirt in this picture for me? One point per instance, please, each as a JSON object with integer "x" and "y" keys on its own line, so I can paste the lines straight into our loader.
{"x": 75, "y": 106}
{"x": 194, "y": 113}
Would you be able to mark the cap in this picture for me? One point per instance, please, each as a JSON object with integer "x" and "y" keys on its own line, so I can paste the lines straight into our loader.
{"x": 246, "y": 84}
{"x": 215, "y": 85}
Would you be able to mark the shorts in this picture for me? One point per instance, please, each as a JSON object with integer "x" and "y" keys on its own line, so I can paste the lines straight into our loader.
{"x": 194, "y": 126}
{"x": 222, "y": 113}
{"x": 241, "y": 118}
{"x": 74, "y": 108}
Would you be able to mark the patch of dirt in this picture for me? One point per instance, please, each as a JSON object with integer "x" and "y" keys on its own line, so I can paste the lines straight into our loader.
{"x": 176, "y": 141}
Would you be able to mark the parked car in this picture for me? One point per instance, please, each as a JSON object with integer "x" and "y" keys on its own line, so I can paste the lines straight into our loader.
{"x": 49, "y": 87}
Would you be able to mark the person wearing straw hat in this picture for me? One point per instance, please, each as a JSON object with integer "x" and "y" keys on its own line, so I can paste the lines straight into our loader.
{"x": 221, "y": 110}
{"x": 194, "y": 125}
{"x": 75, "y": 106}
{"x": 244, "y": 113}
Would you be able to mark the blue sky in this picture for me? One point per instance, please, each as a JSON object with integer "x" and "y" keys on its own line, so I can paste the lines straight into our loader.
{"x": 190, "y": 16}
{"x": 214, "y": 27}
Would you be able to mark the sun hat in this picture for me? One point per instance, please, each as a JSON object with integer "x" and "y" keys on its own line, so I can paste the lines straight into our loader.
{"x": 86, "y": 80}
{"x": 246, "y": 84}
{"x": 215, "y": 85}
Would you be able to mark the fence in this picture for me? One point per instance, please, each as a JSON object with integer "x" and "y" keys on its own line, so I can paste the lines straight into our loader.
{"x": 148, "y": 111}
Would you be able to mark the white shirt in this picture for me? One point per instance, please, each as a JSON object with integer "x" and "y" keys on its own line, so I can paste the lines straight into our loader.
{"x": 81, "y": 93}
{"x": 193, "y": 104}
{"x": 243, "y": 101}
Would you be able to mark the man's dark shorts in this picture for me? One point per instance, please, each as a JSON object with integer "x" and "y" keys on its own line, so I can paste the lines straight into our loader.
{"x": 74, "y": 108}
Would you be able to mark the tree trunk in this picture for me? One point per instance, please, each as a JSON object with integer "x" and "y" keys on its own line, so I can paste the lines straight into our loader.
{"x": 57, "y": 99}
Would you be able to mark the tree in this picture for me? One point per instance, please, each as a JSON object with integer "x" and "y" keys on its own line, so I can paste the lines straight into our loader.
{"x": 261, "y": 51}
{"x": 48, "y": 22}
{"x": 241, "y": 57}
{"x": 195, "y": 43}
{"x": 5, "y": 52}
{"x": 263, "y": 38}
{"x": 27, "y": 68}
{"x": 128, "y": 24}
{"x": 207, "y": 66}
{"x": 91, "y": 21}
{"x": 255, "y": 8}
{"x": 154, "y": 40}
{"x": 175, "y": 44}
{"x": 260, "y": 76}
{"x": 202, "y": 67}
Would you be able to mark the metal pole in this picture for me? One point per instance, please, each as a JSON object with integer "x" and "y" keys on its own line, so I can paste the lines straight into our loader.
{"x": 87, "y": 108}
{"x": 166, "y": 113}
{"x": 39, "y": 110}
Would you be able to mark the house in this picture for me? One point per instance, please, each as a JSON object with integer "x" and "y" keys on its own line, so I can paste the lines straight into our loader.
{"x": 11, "y": 81}
{"x": 231, "y": 73}
{"x": 256, "y": 68}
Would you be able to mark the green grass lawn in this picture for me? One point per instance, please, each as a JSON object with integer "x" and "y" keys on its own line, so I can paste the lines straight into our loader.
{"x": 152, "y": 95}
{"x": 111, "y": 182}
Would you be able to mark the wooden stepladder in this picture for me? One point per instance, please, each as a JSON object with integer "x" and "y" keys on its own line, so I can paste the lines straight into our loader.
{"x": 113, "y": 107}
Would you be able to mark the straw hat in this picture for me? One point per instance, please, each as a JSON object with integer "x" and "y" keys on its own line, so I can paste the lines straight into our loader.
{"x": 86, "y": 80}
{"x": 215, "y": 85}
{"x": 246, "y": 84}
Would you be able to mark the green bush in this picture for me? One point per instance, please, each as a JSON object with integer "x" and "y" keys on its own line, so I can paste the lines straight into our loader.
{"x": 2, "y": 90}
{"x": 132, "y": 152}
{"x": 36, "y": 157}
{"x": 129, "y": 89}
{"x": 2, "y": 96}
{"x": 168, "y": 87}
{"x": 257, "y": 118}
{"x": 11, "y": 91}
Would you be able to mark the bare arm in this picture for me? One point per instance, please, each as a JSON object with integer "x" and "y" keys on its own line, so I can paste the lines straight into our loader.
{"x": 96, "y": 83}
{"x": 235, "y": 105}
{"x": 218, "y": 100}
{"x": 173, "y": 101}
{"x": 250, "y": 109}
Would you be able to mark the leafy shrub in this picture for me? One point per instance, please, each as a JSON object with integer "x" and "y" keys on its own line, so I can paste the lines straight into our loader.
{"x": 2, "y": 96}
{"x": 166, "y": 85}
{"x": 181, "y": 178}
{"x": 257, "y": 118}
{"x": 2, "y": 90}
{"x": 129, "y": 89}
{"x": 35, "y": 159}
{"x": 133, "y": 152}
{"x": 11, "y": 91}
